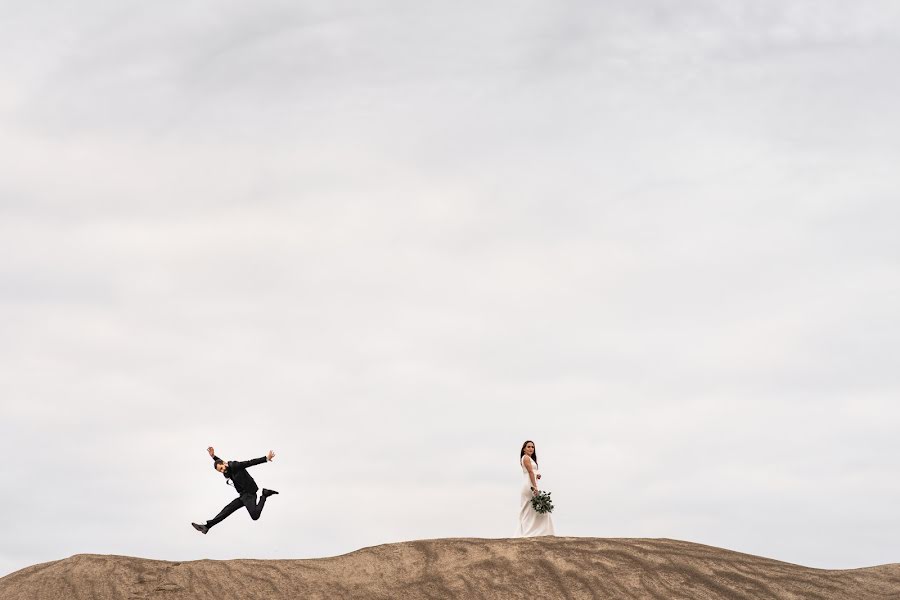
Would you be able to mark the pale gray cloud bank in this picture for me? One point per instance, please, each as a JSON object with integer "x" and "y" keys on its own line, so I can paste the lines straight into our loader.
{"x": 392, "y": 241}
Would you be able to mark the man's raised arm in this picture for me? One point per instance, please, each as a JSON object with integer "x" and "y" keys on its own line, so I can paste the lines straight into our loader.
{"x": 212, "y": 452}
{"x": 256, "y": 461}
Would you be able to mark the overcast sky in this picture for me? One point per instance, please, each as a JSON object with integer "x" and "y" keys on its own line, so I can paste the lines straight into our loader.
{"x": 391, "y": 241}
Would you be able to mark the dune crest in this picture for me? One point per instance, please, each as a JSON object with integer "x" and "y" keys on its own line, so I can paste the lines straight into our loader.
{"x": 552, "y": 567}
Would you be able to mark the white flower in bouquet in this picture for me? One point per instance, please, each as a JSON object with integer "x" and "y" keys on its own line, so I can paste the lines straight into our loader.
{"x": 542, "y": 503}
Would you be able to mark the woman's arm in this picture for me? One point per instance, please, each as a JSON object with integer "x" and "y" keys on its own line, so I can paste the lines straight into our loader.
{"x": 530, "y": 469}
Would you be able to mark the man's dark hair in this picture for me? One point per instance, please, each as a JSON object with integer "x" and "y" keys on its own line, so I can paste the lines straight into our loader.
{"x": 217, "y": 463}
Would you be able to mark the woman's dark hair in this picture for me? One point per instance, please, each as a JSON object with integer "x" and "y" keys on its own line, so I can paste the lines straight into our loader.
{"x": 522, "y": 452}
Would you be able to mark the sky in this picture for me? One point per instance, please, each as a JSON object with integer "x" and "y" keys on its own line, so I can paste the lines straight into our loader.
{"x": 392, "y": 241}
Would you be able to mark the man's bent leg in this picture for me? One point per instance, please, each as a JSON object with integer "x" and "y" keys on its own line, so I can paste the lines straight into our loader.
{"x": 254, "y": 508}
{"x": 229, "y": 508}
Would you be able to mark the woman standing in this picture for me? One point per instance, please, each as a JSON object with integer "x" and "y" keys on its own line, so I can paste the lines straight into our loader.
{"x": 531, "y": 522}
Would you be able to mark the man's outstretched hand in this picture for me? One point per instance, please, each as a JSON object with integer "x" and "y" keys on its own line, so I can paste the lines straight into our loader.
{"x": 270, "y": 455}
{"x": 211, "y": 450}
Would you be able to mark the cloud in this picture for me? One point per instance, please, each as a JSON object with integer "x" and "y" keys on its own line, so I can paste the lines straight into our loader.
{"x": 392, "y": 244}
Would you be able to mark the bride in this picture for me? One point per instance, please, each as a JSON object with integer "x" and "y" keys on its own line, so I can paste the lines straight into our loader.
{"x": 531, "y": 522}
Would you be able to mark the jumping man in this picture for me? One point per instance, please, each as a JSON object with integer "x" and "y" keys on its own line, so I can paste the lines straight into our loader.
{"x": 244, "y": 485}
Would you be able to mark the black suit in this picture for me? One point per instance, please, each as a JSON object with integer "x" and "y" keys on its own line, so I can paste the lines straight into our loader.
{"x": 237, "y": 473}
{"x": 244, "y": 486}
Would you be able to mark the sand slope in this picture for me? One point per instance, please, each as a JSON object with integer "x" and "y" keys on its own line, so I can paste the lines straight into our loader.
{"x": 571, "y": 568}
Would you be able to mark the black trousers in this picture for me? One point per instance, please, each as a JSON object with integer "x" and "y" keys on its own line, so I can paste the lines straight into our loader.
{"x": 248, "y": 500}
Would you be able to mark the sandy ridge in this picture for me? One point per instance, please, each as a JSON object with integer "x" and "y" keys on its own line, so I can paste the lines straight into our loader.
{"x": 565, "y": 568}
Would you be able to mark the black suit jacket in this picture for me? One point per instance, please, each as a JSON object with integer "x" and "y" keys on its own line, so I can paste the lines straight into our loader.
{"x": 237, "y": 473}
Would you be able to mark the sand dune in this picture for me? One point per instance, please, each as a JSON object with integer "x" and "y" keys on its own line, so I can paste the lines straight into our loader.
{"x": 571, "y": 568}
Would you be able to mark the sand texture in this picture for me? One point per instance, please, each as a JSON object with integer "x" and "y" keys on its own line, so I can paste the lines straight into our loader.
{"x": 552, "y": 567}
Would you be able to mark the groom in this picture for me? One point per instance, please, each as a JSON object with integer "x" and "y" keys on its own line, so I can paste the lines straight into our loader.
{"x": 244, "y": 485}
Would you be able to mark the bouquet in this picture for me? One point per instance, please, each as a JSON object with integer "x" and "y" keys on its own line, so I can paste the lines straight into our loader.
{"x": 542, "y": 503}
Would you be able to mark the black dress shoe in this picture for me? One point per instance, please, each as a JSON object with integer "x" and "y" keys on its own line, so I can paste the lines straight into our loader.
{"x": 201, "y": 528}
{"x": 266, "y": 493}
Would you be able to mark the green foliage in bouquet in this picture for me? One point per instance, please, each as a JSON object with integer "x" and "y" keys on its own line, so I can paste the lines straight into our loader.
{"x": 542, "y": 503}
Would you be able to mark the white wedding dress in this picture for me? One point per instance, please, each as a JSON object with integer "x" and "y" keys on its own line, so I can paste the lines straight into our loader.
{"x": 531, "y": 522}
